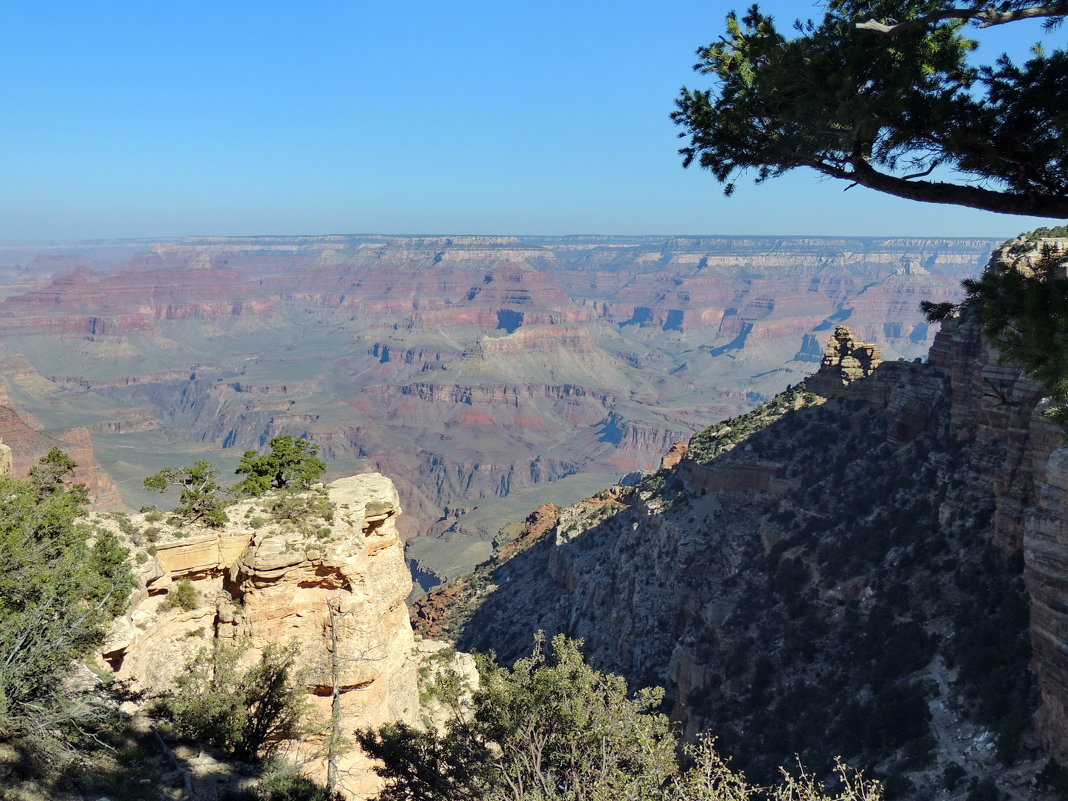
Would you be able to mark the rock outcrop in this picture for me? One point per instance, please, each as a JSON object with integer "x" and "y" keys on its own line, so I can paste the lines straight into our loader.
{"x": 845, "y": 360}
{"x": 334, "y": 588}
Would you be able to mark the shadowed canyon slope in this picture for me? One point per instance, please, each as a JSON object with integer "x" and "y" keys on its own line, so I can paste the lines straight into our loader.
{"x": 872, "y": 564}
{"x": 476, "y": 370}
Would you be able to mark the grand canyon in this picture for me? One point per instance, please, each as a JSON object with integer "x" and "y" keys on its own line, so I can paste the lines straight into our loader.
{"x": 485, "y": 375}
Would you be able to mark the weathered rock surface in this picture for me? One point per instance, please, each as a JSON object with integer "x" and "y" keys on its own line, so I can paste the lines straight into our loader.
{"x": 845, "y": 360}
{"x": 335, "y": 590}
{"x": 1024, "y": 462}
{"x": 1046, "y": 551}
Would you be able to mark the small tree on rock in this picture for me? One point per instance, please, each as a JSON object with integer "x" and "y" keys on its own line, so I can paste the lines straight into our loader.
{"x": 202, "y": 497}
{"x": 291, "y": 463}
{"x": 246, "y": 712}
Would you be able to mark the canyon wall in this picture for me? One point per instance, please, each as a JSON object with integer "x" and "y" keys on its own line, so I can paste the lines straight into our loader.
{"x": 27, "y": 440}
{"x": 873, "y": 563}
{"x": 477, "y": 370}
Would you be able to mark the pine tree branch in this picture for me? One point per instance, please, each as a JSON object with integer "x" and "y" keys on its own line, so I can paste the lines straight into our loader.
{"x": 986, "y": 17}
{"x": 861, "y": 172}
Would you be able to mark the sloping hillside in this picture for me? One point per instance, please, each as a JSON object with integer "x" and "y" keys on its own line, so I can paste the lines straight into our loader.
{"x": 841, "y": 571}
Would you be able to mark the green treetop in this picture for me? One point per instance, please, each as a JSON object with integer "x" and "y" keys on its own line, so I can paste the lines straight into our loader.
{"x": 291, "y": 463}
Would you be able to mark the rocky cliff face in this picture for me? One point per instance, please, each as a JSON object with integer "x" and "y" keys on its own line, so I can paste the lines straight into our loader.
{"x": 335, "y": 588}
{"x": 841, "y": 570}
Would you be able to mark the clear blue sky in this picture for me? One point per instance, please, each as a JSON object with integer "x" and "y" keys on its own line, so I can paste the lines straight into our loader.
{"x": 163, "y": 118}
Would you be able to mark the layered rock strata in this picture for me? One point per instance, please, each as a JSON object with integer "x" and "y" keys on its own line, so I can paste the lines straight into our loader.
{"x": 333, "y": 589}
{"x": 471, "y": 368}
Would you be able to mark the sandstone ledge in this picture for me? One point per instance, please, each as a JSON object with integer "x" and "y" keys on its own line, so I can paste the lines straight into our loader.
{"x": 336, "y": 589}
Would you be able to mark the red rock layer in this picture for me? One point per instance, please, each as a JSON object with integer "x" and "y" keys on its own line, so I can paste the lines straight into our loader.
{"x": 28, "y": 443}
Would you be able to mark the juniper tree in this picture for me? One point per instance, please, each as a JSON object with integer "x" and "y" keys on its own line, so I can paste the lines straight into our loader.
{"x": 290, "y": 463}
{"x": 202, "y": 497}
{"x": 61, "y": 585}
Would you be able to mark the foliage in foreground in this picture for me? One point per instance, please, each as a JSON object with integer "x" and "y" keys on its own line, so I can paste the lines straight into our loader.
{"x": 245, "y": 712}
{"x": 552, "y": 728}
{"x": 61, "y": 585}
{"x": 883, "y": 94}
{"x": 282, "y": 781}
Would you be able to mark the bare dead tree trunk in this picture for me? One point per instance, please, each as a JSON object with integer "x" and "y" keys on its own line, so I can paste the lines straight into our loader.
{"x": 335, "y": 701}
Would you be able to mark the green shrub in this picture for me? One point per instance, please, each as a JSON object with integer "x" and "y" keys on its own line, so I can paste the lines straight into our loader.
{"x": 247, "y": 713}
{"x": 284, "y": 782}
{"x": 183, "y": 596}
{"x": 301, "y": 507}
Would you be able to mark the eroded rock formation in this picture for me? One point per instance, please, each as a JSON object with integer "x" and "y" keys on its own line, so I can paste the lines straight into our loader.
{"x": 335, "y": 589}
{"x": 845, "y": 360}
{"x": 470, "y": 368}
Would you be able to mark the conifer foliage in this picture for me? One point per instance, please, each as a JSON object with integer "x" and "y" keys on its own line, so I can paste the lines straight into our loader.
{"x": 247, "y": 711}
{"x": 552, "y": 728}
{"x": 290, "y": 463}
{"x": 60, "y": 586}
{"x": 885, "y": 93}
